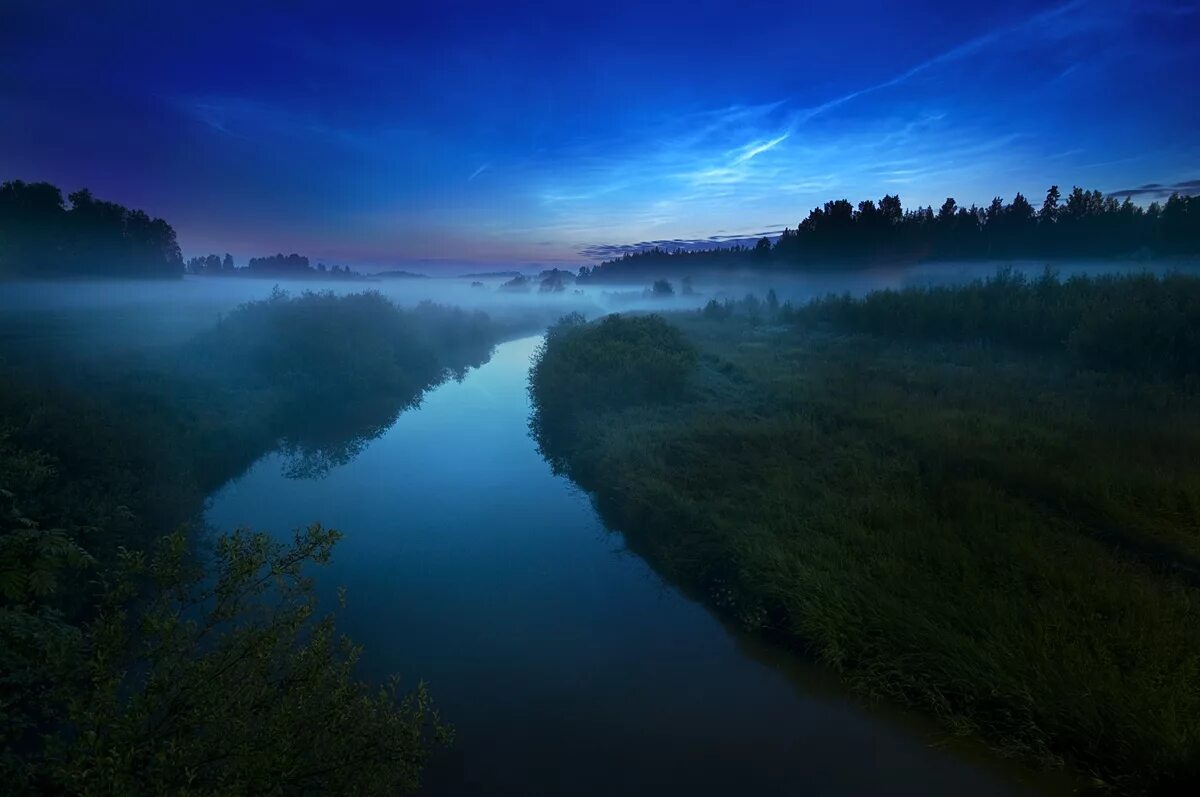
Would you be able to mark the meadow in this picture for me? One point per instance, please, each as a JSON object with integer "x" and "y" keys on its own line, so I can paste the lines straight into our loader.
{"x": 982, "y": 501}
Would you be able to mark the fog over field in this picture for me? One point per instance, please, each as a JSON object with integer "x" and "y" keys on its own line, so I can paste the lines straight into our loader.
{"x": 95, "y": 313}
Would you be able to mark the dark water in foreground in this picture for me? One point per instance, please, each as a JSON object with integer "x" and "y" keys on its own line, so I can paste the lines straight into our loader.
{"x": 566, "y": 666}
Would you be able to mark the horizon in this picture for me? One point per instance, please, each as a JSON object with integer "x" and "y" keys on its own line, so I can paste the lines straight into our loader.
{"x": 481, "y": 139}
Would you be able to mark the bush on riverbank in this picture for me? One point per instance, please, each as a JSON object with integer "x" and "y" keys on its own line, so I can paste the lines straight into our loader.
{"x": 990, "y": 532}
{"x": 631, "y": 360}
{"x": 352, "y": 345}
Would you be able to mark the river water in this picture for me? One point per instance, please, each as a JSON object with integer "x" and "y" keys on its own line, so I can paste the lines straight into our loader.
{"x": 565, "y": 664}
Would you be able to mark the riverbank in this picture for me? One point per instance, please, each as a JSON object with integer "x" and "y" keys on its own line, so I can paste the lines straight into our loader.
{"x": 467, "y": 561}
{"x": 135, "y": 664}
{"x": 1001, "y": 534}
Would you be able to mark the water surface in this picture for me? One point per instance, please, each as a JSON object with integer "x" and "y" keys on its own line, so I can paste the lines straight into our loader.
{"x": 565, "y": 665}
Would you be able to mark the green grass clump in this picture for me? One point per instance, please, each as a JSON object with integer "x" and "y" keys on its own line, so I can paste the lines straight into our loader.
{"x": 1005, "y": 535}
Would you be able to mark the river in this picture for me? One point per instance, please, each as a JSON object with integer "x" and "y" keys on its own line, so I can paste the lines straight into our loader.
{"x": 564, "y": 663}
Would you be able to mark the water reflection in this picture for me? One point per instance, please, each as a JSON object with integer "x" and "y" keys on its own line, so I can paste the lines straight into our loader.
{"x": 317, "y": 440}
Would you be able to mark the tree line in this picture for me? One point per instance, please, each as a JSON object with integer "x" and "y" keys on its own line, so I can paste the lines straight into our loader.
{"x": 43, "y": 234}
{"x": 1081, "y": 224}
{"x": 279, "y": 264}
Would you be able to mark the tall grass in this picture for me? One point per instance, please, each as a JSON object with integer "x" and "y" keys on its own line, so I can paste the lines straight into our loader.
{"x": 1141, "y": 323}
{"x": 955, "y": 511}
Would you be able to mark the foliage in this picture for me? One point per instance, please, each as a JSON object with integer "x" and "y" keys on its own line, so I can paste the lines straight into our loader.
{"x": 1088, "y": 224}
{"x": 619, "y": 361}
{"x": 219, "y": 691}
{"x": 995, "y": 534}
{"x": 125, "y": 673}
{"x": 190, "y": 680}
{"x": 41, "y": 235}
{"x": 346, "y": 345}
{"x": 1140, "y": 322}
{"x": 518, "y": 284}
{"x": 211, "y": 265}
{"x": 553, "y": 282}
{"x": 116, "y": 469}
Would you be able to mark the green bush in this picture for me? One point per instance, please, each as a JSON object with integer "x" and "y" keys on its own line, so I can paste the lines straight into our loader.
{"x": 628, "y": 359}
{"x": 616, "y": 362}
{"x": 321, "y": 344}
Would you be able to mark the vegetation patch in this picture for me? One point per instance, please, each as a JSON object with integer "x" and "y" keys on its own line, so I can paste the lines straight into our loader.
{"x": 986, "y": 519}
{"x": 131, "y": 664}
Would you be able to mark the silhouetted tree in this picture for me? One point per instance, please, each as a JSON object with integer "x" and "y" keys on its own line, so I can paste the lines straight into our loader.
{"x": 1087, "y": 224}
{"x": 762, "y": 249}
{"x": 662, "y": 288}
{"x": 280, "y": 264}
{"x": 40, "y": 235}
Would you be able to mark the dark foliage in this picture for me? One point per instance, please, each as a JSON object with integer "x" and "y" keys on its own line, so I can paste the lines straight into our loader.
{"x": 618, "y": 361}
{"x": 41, "y": 235}
{"x": 1087, "y": 224}
{"x": 211, "y": 265}
{"x": 989, "y": 519}
{"x": 661, "y": 289}
{"x": 518, "y": 284}
{"x": 291, "y": 266}
{"x": 1140, "y": 323}
{"x": 316, "y": 345}
{"x": 130, "y": 673}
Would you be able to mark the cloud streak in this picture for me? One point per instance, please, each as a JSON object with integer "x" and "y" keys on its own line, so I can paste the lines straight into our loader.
{"x": 609, "y": 251}
{"x": 957, "y": 53}
{"x": 1159, "y": 190}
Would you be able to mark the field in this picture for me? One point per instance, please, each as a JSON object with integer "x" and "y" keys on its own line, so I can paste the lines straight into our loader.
{"x": 981, "y": 501}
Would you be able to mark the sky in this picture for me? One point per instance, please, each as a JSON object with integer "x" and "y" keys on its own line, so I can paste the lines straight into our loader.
{"x": 449, "y": 132}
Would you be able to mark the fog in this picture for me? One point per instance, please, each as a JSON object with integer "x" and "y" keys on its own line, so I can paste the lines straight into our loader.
{"x": 476, "y": 467}
{"x": 94, "y": 315}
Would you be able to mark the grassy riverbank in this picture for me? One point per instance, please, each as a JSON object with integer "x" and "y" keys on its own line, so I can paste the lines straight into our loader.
{"x": 982, "y": 501}
{"x": 129, "y": 663}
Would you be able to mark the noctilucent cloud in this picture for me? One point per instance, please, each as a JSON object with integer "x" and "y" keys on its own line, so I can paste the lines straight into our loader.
{"x": 562, "y": 132}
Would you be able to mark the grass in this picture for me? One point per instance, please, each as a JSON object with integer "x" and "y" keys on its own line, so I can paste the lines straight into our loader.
{"x": 1005, "y": 535}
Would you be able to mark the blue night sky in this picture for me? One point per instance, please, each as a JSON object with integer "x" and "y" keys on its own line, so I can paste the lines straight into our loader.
{"x": 549, "y": 133}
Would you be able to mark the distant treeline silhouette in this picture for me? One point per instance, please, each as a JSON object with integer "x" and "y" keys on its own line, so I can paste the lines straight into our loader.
{"x": 1084, "y": 224}
{"x": 41, "y": 234}
{"x": 277, "y": 265}
{"x": 44, "y": 235}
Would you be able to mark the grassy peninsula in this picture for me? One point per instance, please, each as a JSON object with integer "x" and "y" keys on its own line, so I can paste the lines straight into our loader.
{"x": 982, "y": 501}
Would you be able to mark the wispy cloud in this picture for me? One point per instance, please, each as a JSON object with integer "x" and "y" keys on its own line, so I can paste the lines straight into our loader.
{"x": 479, "y": 171}
{"x": 751, "y": 151}
{"x": 1159, "y": 190}
{"x": 607, "y": 251}
{"x": 734, "y": 163}
{"x": 956, "y": 53}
